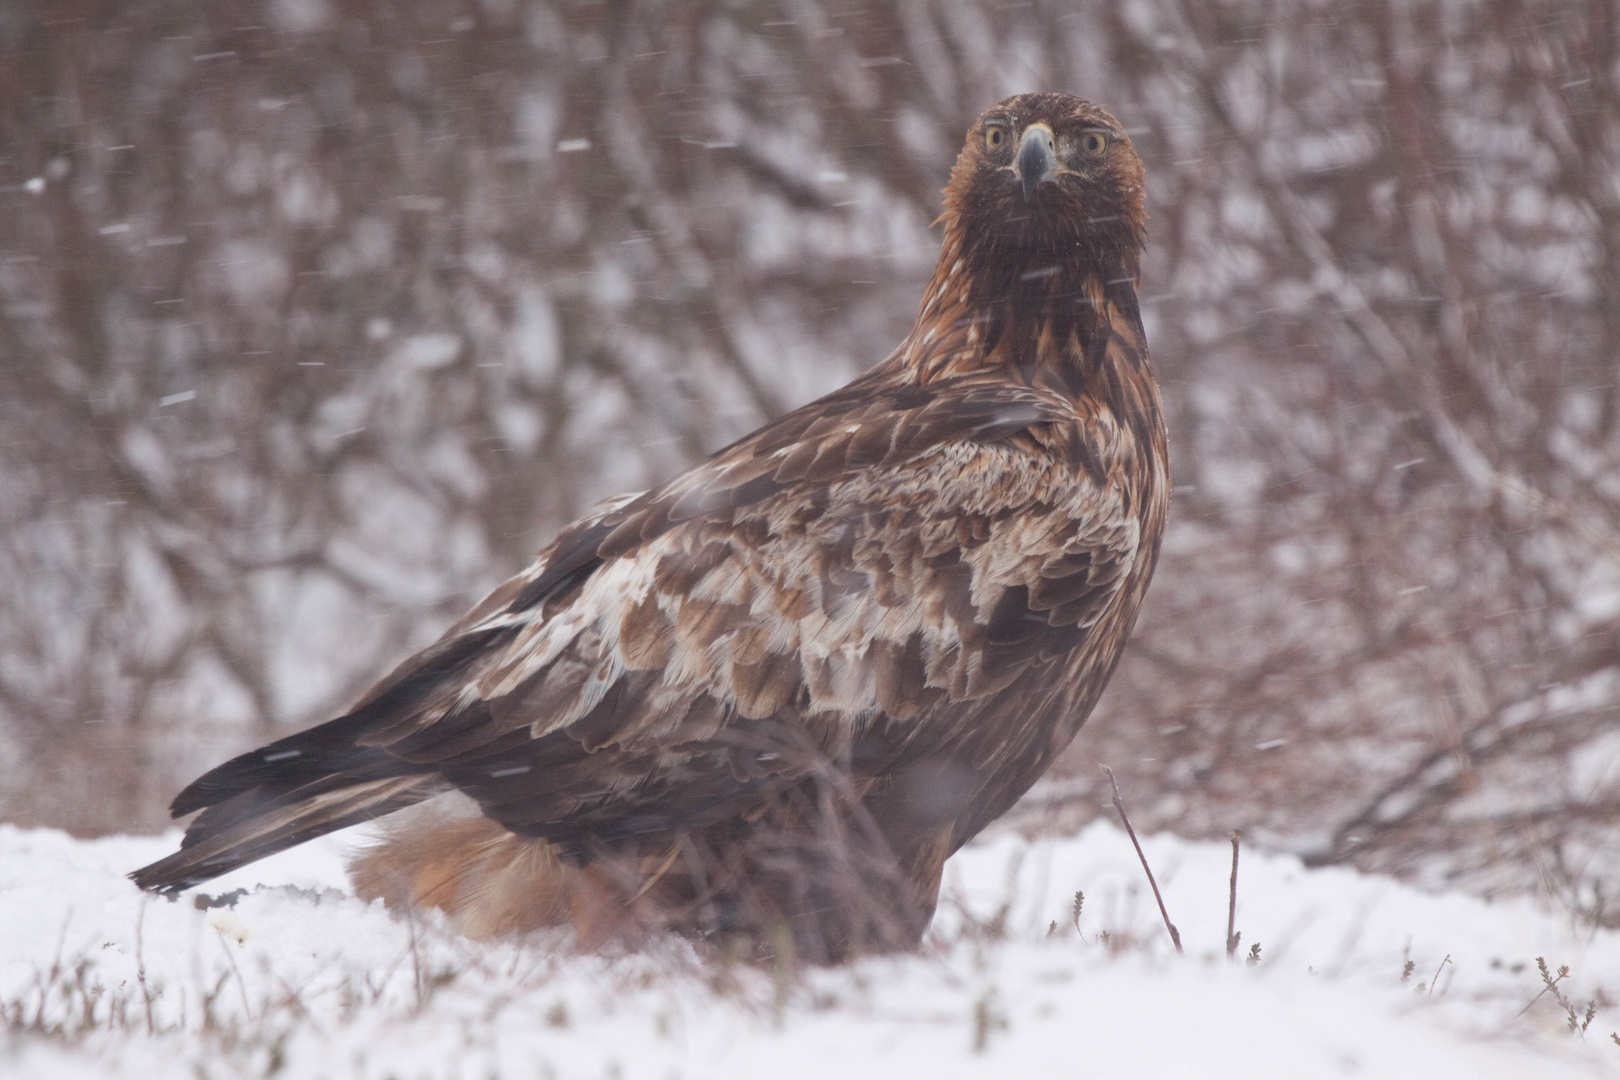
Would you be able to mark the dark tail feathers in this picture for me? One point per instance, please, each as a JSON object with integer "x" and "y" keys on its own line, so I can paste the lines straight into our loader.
{"x": 281, "y": 795}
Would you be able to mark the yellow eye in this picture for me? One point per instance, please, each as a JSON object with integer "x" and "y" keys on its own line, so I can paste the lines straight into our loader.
{"x": 993, "y": 137}
{"x": 1094, "y": 143}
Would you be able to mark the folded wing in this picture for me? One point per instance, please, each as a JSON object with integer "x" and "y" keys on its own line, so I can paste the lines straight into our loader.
{"x": 840, "y": 585}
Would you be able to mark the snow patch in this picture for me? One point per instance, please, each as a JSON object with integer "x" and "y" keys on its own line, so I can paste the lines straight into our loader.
{"x": 1358, "y": 976}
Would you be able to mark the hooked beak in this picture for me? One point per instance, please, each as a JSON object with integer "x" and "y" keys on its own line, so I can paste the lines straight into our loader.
{"x": 1037, "y": 157}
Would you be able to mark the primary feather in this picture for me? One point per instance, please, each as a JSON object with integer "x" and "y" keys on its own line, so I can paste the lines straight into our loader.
{"x": 778, "y": 692}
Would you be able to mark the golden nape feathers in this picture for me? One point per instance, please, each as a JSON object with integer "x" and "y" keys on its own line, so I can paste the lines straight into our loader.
{"x": 768, "y": 699}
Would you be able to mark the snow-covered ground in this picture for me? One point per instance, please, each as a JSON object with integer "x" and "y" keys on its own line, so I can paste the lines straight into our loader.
{"x": 301, "y": 980}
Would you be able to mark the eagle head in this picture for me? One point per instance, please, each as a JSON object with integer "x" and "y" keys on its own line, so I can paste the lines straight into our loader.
{"x": 1047, "y": 177}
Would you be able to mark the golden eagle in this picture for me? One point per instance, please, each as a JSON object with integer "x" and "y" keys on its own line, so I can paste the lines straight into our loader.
{"x": 769, "y": 699}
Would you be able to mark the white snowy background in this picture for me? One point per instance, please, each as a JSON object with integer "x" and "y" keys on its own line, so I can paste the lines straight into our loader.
{"x": 299, "y": 979}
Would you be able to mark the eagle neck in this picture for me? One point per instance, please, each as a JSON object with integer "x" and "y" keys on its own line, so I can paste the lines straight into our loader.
{"x": 1041, "y": 316}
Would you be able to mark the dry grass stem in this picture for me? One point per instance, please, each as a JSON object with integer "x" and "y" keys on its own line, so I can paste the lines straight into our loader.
{"x": 1434, "y": 981}
{"x": 140, "y": 965}
{"x": 1119, "y": 804}
{"x": 1232, "y": 935}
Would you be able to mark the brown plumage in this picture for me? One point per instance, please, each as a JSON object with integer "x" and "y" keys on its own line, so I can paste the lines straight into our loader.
{"x": 771, "y": 697}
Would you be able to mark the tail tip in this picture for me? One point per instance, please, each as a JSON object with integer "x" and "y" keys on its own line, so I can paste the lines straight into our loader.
{"x": 160, "y": 881}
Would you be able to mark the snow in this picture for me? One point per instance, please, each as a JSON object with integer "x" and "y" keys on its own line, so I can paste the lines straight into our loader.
{"x": 299, "y": 979}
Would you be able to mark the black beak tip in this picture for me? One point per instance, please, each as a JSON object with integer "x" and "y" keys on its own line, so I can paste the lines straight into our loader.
{"x": 1035, "y": 162}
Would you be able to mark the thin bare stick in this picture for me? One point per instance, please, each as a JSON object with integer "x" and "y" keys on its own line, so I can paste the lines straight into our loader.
{"x": 140, "y": 963}
{"x": 55, "y": 973}
{"x": 1119, "y": 804}
{"x": 416, "y": 958}
{"x": 1541, "y": 994}
{"x": 1232, "y": 935}
{"x": 1437, "y": 972}
{"x": 241, "y": 984}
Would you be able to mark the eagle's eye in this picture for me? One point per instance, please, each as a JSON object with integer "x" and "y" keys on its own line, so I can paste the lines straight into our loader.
{"x": 1094, "y": 143}
{"x": 993, "y": 137}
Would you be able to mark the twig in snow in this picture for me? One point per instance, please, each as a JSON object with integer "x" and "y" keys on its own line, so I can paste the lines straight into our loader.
{"x": 416, "y": 958}
{"x": 1437, "y": 972}
{"x": 50, "y": 979}
{"x": 1578, "y": 1023}
{"x": 1119, "y": 804}
{"x": 1232, "y": 935}
{"x": 241, "y": 984}
{"x": 140, "y": 963}
{"x": 1548, "y": 983}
